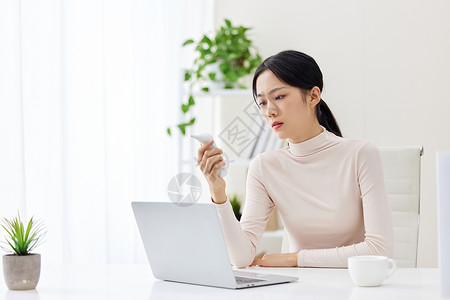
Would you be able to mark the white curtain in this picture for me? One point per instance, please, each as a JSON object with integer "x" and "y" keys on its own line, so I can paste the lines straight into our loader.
{"x": 87, "y": 88}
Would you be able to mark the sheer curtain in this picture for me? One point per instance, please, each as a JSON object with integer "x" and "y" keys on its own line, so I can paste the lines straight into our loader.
{"x": 87, "y": 89}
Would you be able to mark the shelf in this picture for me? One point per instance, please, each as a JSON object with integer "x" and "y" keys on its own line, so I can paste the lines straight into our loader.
{"x": 274, "y": 234}
{"x": 241, "y": 162}
{"x": 237, "y": 162}
{"x": 223, "y": 92}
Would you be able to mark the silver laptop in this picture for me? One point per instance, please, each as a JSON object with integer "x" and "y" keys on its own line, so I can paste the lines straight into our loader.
{"x": 186, "y": 244}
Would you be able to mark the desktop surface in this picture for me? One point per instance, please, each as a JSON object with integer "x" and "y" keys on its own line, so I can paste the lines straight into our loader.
{"x": 137, "y": 282}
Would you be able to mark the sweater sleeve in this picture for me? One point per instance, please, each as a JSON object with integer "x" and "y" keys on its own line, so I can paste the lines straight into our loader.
{"x": 242, "y": 238}
{"x": 376, "y": 212}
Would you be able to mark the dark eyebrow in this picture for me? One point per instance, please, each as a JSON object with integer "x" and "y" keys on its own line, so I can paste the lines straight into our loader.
{"x": 271, "y": 91}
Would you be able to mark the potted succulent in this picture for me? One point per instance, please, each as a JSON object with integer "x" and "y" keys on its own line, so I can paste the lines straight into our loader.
{"x": 22, "y": 268}
{"x": 223, "y": 59}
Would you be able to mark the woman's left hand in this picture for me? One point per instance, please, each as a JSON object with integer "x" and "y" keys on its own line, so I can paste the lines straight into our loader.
{"x": 277, "y": 260}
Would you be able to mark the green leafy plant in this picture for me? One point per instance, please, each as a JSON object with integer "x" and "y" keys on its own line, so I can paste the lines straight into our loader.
{"x": 236, "y": 205}
{"x": 234, "y": 57}
{"x": 22, "y": 240}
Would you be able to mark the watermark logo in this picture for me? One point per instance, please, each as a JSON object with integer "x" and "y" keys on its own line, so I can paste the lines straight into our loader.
{"x": 238, "y": 136}
{"x": 184, "y": 189}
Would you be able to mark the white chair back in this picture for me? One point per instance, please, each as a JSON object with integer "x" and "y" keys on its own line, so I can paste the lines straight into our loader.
{"x": 401, "y": 167}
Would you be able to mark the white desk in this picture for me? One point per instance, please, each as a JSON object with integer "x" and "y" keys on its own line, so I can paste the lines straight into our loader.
{"x": 137, "y": 282}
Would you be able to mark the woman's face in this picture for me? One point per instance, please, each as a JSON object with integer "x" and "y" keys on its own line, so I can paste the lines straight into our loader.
{"x": 289, "y": 112}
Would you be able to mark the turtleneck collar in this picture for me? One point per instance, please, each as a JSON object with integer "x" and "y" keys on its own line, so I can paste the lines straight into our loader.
{"x": 315, "y": 144}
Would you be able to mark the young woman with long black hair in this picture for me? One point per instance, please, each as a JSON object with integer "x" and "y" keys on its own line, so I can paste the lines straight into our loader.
{"x": 328, "y": 190}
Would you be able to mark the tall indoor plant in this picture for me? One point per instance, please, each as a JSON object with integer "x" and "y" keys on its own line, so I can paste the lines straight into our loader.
{"x": 22, "y": 268}
{"x": 223, "y": 59}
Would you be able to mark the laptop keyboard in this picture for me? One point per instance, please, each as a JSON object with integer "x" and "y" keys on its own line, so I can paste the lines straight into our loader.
{"x": 241, "y": 280}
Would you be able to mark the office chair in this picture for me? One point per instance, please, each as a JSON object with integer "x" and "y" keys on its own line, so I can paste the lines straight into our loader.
{"x": 401, "y": 167}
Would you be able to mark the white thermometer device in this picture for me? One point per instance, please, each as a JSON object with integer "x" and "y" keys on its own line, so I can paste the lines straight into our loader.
{"x": 206, "y": 137}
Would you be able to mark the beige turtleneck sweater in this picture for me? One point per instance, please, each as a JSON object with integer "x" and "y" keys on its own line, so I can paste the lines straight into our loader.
{"x": 331, "y": 197}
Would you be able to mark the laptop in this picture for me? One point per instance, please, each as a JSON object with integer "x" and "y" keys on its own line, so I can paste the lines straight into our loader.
{"x": 186, "y": 244}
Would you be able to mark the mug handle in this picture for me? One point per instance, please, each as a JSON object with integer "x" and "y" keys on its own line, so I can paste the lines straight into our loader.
{"x": 392, "y": 265}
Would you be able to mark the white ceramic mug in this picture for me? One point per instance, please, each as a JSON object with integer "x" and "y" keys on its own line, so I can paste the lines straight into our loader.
{"x": 370, "y": 270}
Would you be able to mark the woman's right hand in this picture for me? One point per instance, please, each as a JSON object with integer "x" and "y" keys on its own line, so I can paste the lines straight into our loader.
{"x": 210, "y": 161}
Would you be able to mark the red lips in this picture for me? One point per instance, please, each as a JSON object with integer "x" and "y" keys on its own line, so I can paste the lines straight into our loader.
{"x": 276, "y": 123}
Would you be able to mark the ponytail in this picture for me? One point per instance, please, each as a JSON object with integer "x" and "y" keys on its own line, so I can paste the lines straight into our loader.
{"x": 326, "y": 118}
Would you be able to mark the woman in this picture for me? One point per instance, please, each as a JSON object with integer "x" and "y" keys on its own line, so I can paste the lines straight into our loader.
{"x": 328, "y": 190}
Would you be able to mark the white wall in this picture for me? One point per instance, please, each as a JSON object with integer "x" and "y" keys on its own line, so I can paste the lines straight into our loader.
{"x": 386, "y": 69}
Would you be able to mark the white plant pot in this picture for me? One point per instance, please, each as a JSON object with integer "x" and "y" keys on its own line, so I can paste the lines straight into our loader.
{"x": 219, "y": 84}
